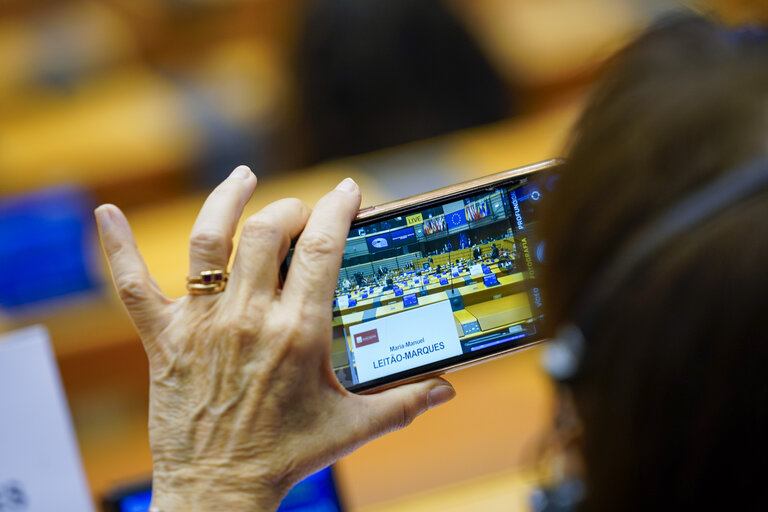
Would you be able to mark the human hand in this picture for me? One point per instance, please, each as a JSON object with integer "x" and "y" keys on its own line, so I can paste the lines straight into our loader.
{"x": 243, "y": 400}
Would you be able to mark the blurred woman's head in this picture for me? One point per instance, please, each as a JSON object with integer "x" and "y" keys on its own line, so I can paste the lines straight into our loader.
{"x": 670, "y": 387}
{"x": 377, "y": 73}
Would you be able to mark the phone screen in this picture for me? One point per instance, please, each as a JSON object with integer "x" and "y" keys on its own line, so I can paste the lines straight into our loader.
{"x": 438, "y": 284}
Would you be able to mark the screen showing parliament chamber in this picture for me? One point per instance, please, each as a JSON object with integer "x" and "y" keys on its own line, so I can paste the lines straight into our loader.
{"x": 436, "y": 284}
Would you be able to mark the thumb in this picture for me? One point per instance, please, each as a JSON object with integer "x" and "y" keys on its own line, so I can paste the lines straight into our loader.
{"x": 396, "y": 408}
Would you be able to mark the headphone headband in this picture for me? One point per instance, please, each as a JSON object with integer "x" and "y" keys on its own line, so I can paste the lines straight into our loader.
{"x": 562, "y": 360}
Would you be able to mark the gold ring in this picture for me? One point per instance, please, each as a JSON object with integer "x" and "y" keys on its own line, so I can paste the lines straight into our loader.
{"x": 208, "y": 282}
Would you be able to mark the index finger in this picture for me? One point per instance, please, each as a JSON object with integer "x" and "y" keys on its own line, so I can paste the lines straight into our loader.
{"x": 144, "y": 302}
{"x": 316, "y": 260}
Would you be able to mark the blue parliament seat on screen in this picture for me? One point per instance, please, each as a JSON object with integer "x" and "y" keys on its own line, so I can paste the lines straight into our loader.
{"x": 410, "y": 300}
{"x": 398, "y": 292}
{"x": 365, "y": 295}
{"x": 486, "y": 269}
{"x": 443, "y": 280}
{"x": 490, "y": 280}
{"x": 352, "y": 302}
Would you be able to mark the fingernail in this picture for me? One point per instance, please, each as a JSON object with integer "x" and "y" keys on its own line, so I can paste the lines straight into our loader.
{"x": 241, "y": 172}
{"x": 347, "y": 185}
{"x": 102, "y": 218}
{"x": 440, "y": 395}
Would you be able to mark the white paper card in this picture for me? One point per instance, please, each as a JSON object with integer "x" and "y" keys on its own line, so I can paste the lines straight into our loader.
{"x": 404, "y": 340}
{"x": 40, "y": 466}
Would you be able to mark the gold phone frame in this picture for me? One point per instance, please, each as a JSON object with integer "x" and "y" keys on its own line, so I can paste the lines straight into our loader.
{"x": 372, "y": 213}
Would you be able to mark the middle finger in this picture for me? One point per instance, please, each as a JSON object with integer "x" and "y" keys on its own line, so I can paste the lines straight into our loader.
{"x": 264, "y": 243}
{"x": 314, "y": 269}
{"x": 210, "y": 243}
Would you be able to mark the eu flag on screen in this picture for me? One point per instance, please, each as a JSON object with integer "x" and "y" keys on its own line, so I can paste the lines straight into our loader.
{"x": 455, "y": 219}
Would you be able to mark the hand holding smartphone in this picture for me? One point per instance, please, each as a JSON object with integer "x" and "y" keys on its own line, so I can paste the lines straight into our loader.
{"x": 440, "y": 281}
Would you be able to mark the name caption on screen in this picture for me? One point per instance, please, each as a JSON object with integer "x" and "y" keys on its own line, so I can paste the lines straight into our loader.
{"x": 410, "y": 354}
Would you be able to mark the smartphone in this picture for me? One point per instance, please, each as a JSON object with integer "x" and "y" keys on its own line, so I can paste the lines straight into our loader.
{"x": 441, "y": 281}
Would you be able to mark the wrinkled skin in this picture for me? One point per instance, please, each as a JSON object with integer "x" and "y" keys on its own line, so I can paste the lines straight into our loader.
{"x": 243, "y": 400}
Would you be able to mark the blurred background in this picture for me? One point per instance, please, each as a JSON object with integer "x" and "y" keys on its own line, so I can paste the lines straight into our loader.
{"x": 148, "y": 103}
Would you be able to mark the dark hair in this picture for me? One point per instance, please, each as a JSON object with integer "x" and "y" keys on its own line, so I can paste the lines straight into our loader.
{"x": 671, "y": 390}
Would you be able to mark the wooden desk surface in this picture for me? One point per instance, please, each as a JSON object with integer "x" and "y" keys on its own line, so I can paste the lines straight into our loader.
{"x": 495, "y": 423}
{"x": 508, "y": 491}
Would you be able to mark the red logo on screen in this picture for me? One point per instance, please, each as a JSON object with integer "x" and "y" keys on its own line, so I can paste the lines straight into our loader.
{"x": 366, "y": 338}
